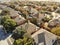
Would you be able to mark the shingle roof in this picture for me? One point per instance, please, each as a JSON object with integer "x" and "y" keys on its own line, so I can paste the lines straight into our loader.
{"x": 41, "y": 31}
{"x": 29, "y": 27}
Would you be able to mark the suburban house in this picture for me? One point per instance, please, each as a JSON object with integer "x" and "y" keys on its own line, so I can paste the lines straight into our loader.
{"x": 38, "y": 17}
{"x": 13, "y": 17}
{"x": 29, "y": 27}
{"x": 43, "y": 37}
{"x": 55, "y": 15}
{"x": 19, "y": 20}
{"x": 53, "y": 23}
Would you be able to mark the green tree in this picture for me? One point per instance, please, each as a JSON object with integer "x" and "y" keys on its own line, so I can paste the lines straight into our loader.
{"x": 5, "y": 12}
{"x": 12, "y": 5}
{"x": 8, "y": 23}
{"x": 56, "y": 30}
{"x": 18, "y": 33}
{"x": 47, "y": 19}
{"x": 24, "y": 41}
{"x": 4, "y": 18}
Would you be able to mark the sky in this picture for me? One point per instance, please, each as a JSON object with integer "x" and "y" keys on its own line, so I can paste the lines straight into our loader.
{"x": 32, "y": 0}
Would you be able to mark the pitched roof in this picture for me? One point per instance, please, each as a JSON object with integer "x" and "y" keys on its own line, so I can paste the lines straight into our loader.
{"x": 42, "y": 31}
{"x": 29, "y": 27}
{"x": 20, "y": 20}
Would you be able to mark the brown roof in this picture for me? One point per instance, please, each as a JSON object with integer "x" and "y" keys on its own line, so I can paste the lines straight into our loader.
{"x": 13, "y": 17}
{"x": 29, "y": 27}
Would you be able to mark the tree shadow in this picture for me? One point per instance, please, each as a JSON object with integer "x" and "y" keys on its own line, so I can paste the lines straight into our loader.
{"x": 3, "y": 35}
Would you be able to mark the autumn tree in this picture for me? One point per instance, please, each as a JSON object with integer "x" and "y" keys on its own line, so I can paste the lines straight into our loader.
{"x": 56, "y": 30}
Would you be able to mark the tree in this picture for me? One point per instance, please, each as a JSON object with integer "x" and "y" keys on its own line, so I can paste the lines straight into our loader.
{"x": 56, "y": 31}
{"x": 55, "y": 7}
{"x": 47, "y": 18}
{"x": 8, "y": 23}
{"x": 24, "y": 41}
{"x": 18, "y": 33}
{"x": 5, "y": 12}
{"x": 12, "y": 5}
{"x": 4, "y": 18}
{"x": 24, "y": 12}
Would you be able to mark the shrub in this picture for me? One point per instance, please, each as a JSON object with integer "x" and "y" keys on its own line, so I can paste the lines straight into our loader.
{"x": 56, "y": 31}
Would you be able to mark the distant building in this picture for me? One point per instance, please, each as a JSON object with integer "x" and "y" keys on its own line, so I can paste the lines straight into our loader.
{"x": 19, "y": 20}
{"x": 29, "y": 0}
{"x": 55, "y": 15}
{"x": 54, "y": 23}
{"x": 43, "y": 37}
{"x": 2, "y": 1}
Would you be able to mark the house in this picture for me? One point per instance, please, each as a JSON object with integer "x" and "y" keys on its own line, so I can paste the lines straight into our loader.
{"x": 38, "y": 7}
{"x": 19, "y": 20}
{"x": 57, "y": 42}
{"x": 53, "y": 23}
{"x": 29, "y": 27}
{"x": 43, "y": 37}
{"x": 38, "y": 18}
{"x": 33, "y": 11}
{"x": 14, "y": 16}
{"x": 2, "y": 1}
{"x": 28, "y": 8}
{"x": 55, "y": 15}
{"x": 13, "y": 13}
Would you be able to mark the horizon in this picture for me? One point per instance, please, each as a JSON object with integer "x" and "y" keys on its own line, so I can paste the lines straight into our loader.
{"x": 30, "y": 0}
